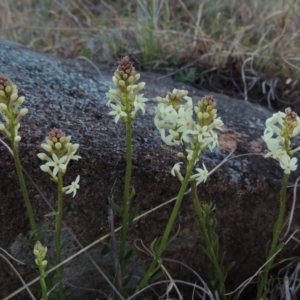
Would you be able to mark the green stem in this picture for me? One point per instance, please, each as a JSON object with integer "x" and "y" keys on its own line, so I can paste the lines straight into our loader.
{"x": 127, "y": 198}
{"x": 43, "y": 283}
{"x": 23, "y": 184}
{"x": 164, "y": 241}
{"x": 262, "y": 281}
{"x": 58, "y": 228}
{"x": 211, "y": 241}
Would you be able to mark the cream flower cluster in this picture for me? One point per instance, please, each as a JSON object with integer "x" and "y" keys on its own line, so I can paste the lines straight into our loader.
{"x": 62, "y": 151}
{"x": 10, "y": 102}
{"x": 280, "y": 128}
{"x": 125, "y": 100}
{"x": 176, "y": 122}
{"x": 40, "y": 253}
{"x": 180, "y": 123}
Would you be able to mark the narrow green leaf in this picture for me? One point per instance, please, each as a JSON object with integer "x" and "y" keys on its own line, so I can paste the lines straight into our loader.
{"x": 116, "y": 208}
{"x": 51, "y": 214}
{"x": 174, "y": 236}
{"x": 157, "y": 275}
{"x": 230, "y": 266}
{"x": 135, "y": 213}
{"x": 132, "y": 194}
{"x": 152, "y": 245}
{"x": 157, "y": 244}
{"x": 65, "y": 245}
{"x": 25, "y": 242}
{"x": 204, "y": 250}
{"x": 279, "y": 247}
{"x": 128, "y": 255}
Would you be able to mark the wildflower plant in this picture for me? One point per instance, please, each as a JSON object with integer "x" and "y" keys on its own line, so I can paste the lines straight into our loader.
{"x": 125, "y": 102}
{"x": 61, "y": 151}
{"x": 40, "y": 254}
{"x": 191, "y": 127}
{"x": 10, "y": 103}
{"x": 280, "y": 129}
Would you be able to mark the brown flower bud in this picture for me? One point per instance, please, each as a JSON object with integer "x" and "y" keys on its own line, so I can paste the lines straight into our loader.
{"x": 4, "y": 82}
{"x": 126, "y": 68}
{"x": 55, "y": 134}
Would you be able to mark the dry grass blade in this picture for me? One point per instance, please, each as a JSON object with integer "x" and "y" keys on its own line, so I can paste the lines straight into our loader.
{"x": 10, "y": 256}
{"x": 25, "y": 286}
{"x": 244, "y": 77}
{"x": 206, "y": 290}
{"x": 193, "y": 285}
{"x": 242, "y": 286}
{"x": 286, "y": 285}
{"x": 69, "y": 13}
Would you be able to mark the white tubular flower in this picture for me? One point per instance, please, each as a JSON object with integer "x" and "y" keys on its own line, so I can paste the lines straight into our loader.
{"x": 297, "y": 128}
{"x": 275, "y": 153}
{"x": 201, "y": 132}
{"x": 189, "y": 103}
{"x": 114, "y": 96}
{"x": 288, "y": 164}
{"x": 185, "y": 120}
{"x": 271, "y": 123}
{"x": 21, "y": 100}
{"x": 23, "y": 112}
{"x": 167, "y": 113}
{"x": 190, "y": 155}
{"x": 118, "y": 112}
{"x": 3, "y": 108}
{"x": 73, "y": 187}
{"x": 74, "y": 147}
{"x": 273, "y": 144}
{"x": 46, "y": 169}
{"x": 17, "y": 139}
{"x": 216, "y": 124}
{"x": 276, "y": 118}
{"x": 139, "y": 103}
{"x": 141, "y": 85}
{"x": 47, "y": 147}
{"x": 160, "y": 124}
{"x": 71, "y": 156}
{"x": 171, "y": 139}
{"x": 176, "y": 169}
{"x": 57, "y": 164}
{"x": 201, "y": 176}
{"x": 214, "y": 141}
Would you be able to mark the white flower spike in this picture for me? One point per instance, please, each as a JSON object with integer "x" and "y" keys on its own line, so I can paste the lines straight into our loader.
{"x": 280, "y": 128}
{"x": 124, "y": 100}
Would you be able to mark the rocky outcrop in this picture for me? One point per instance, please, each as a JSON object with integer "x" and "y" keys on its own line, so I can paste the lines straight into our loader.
{"x": 70, "y": 95}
